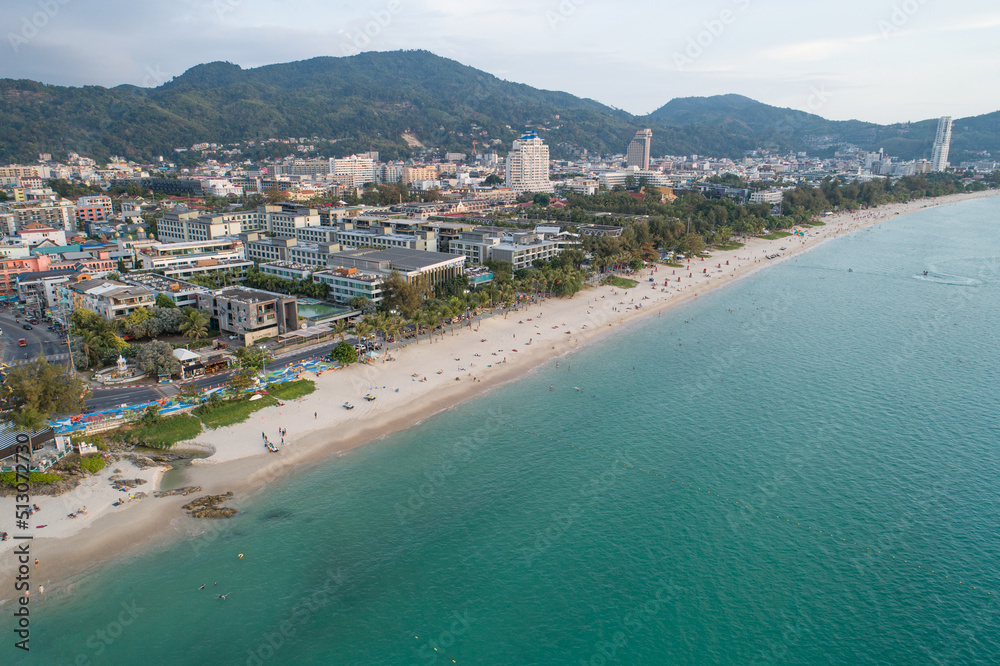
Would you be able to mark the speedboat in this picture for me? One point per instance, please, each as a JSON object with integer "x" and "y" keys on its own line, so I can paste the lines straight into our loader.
{"x": 348, "y": 405}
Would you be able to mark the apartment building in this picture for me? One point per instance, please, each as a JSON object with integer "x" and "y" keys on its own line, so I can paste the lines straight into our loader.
{"x": 348, "y": 283}
{"x": 282, "y": 220}
{"x": 183, "y": 294}
{"x": 520, "y": 249}
{"x": 383, "y": 236}
{"x": 252, "y": 314}
{"x": 185, "y": 260}
{"x": 55, "y": 214}
{"x": 528, "y": 165}
{"x": 93, "y": 209}
{"x": 109, "y": 298}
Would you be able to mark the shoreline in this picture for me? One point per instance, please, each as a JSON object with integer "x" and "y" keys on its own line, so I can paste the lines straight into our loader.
{"x": 456, "y": 367}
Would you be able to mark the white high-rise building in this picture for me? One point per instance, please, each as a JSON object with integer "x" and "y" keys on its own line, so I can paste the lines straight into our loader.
{"x": 355, "y": 170}
{"x": 528, "y": 165}
{"x": 638, "y": 150}
{"x": 942, "y": 145}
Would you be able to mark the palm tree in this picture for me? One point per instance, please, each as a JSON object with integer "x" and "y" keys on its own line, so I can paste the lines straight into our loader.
{"x": 194, "y": 326}
{"x": 340, "y": 328}
{"x": 89, "y": 344}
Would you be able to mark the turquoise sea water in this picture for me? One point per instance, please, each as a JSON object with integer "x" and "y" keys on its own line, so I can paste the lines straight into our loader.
{"x": 806, "y": 473}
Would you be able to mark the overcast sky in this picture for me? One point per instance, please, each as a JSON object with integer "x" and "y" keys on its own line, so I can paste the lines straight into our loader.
{"x": 877, "y": 60}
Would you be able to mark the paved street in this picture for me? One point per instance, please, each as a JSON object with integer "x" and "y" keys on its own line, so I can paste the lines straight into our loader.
{"x": 40, "y": 340}
{"x": 103, "y": 399}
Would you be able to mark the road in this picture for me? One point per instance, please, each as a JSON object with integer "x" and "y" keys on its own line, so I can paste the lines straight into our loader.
{"x": 40, "y": 340}
{"x": 104, "y": 399}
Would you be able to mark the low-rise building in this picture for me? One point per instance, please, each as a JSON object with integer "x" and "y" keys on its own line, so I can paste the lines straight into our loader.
{"x": 348, "y": 283}
{"x": 521, "y": 249}
{"x": 252, "y": 314}
{"x": 433, "y": 268}
{"x": 183, "y": 294}
{"x": 109, "y": 298}
{"x": 185, "y": 260}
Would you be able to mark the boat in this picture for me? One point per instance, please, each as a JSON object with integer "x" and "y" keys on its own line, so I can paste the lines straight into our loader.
{"x": 925, "y": 272}
{"x": 348, "y": 405}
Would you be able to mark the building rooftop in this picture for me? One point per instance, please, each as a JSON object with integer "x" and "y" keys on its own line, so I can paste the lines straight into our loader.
{"x": 402, "y": 258}
{"x": 160, "y": 283}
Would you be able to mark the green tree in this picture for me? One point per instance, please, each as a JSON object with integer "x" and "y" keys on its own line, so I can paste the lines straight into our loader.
{"x": 253, "y": 358}
{"x": 240, "y": 382}
{"x": 157, "y": 358}
{"x": 195, "y": 325}
{"x": 344, "y": 354}
{"x": 165, "y": 302}
{"x": 38, "y": 390}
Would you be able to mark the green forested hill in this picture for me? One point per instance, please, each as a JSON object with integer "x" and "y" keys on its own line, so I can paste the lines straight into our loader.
{"x": 369, "y": 101}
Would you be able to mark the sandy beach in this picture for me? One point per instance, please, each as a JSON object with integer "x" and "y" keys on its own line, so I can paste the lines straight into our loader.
{"x": 422, "y": 379}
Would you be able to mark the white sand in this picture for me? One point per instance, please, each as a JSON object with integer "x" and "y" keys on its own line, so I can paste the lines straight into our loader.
{"x": 470, "y": 360}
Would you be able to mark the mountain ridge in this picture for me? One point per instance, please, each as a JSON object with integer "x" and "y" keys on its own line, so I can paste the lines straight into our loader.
{"x": 368, "y": 101}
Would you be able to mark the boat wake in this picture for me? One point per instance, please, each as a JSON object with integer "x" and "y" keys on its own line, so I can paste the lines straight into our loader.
{"x": 944, "y": 278}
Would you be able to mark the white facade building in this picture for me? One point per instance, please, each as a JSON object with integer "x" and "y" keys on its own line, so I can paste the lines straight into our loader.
{"x": 942, "y": 145}
{"x": 528, "y": 165}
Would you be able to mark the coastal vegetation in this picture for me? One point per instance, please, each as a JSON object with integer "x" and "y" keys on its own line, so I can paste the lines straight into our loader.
{"x": 292, "y": 390}
{"x": 165, "y": 432}
{"x": 93, "y": 464}
{"x": 620, "y": 282}
{"x": 37, "y": 390}
{"x": 34, "y": 478}
{"x": 231, "y": 412}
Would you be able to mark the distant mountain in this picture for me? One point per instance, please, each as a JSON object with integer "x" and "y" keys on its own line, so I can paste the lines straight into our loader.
{"x": 371, "y": 100}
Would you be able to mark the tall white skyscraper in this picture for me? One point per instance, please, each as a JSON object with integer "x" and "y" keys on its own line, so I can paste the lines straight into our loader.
{"x": 942, "y": 145}
{"x": 528, "y": 165}
{"x": 638, "y": 150}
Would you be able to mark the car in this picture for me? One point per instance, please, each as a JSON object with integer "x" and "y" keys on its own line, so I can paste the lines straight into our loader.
{"x": 27, "y": 327}
{"x": 22, "y": 343}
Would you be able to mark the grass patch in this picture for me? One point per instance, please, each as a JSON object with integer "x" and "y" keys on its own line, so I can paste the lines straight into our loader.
{"x": 775, "y": 235}
{"x": 816, "y": 224}
{"x": 231, "y": 413}
{"x": 674, "y": 264}
{"x": 621, "y": 283}
{"x": 728, "y": 247}
{"x": 10, "y": 478}
{"x": 93, "y": 464}
{"x": 292, "y": 390}
{"x": 167, "y": 432}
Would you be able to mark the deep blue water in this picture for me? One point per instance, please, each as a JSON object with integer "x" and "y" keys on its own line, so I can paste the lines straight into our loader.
{"x": 802, "y": 468}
